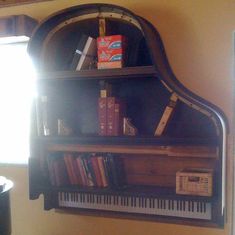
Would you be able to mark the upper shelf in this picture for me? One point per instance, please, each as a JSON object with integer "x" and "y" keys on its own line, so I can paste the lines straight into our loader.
{"x": 127, "y": 72}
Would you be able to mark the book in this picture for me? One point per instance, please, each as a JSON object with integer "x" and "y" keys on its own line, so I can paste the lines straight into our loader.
{"x": 110, "y": 115}
{"x": 72, "y": 169}
{"x": 87, "y": 169}
{"x": 166, "y": 115}
{"x": 81, "y": 171}
{"x": 104, "y": 180}
{"x": 88, "y": 54}
{"x": 116, "y": 170}
{"x": 67, "y": 160}
{"x": 95, "y": 165}
{"x": 119, "y": 113}
{"x": 102, "y": 116}
{"x": 78, "y": 51}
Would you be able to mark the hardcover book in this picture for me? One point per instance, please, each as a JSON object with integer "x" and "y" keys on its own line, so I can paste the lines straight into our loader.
{"x": 85, "y": 53}
{"x": 102, "y": 106}
{"x": 95, "y": 166}
{"x": 78, "y": 51}
{"x": 88, "y": 55}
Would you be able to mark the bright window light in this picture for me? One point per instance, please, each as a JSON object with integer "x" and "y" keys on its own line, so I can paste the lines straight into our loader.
{"x": 17, "y": 79}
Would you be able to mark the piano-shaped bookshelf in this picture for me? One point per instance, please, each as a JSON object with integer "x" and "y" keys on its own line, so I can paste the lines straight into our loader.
{"x": 194, "y": 137}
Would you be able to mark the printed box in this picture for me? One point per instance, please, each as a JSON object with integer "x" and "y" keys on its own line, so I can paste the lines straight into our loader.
{"x": 194, "y": 181}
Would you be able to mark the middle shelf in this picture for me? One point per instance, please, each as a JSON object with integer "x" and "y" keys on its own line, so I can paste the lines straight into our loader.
{"x": 171, "y": 147}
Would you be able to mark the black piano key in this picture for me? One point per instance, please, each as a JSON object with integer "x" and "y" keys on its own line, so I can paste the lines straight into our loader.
{"x": 204, "y": 207}
{"x": 145, "y": 202}
{"x": 169, "y": 205}
{"x": 184, "y": 206}
{"x": 192, "y": 206}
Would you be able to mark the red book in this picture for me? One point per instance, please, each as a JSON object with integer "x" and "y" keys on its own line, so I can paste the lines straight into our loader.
{"x": 110, "y": 115}
{"x": 68, "y": 165}
{"x": 95, "y": 166}
{"x": 102, "y": 107}
{"x": 100, "y": 161}
{"x": 119, "y": 110}
{"x": 72, "y": 168}
{"x": 81, "y": 171}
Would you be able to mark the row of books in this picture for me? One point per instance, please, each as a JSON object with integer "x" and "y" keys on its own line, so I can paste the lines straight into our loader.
{"x": 111, "y": 112}
{"x": 86, "y": 170}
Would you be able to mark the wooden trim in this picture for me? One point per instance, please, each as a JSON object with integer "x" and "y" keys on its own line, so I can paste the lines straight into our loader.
{"x": 169, "y": 151}
{"x": 116, "y": 73}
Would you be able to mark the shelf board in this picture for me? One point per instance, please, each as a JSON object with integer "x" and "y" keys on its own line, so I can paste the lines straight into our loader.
{"x": 129, "y": 140}
{"x": 95, "y": 74}
{"x": 168, "y": 151}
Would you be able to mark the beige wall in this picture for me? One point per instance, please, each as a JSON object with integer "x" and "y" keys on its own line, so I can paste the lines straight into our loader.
{"x": 198, "y": 37}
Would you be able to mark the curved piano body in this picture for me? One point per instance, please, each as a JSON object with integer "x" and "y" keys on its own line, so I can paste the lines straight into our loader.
{"x": 196, "y": 122}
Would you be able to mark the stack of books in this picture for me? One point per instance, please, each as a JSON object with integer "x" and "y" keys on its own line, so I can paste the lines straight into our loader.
{"x": 88, "y": 170}
{"x": 111, "y": 112}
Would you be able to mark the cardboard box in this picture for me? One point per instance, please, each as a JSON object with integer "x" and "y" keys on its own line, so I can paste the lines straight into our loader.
{"x": 194, "y": 181}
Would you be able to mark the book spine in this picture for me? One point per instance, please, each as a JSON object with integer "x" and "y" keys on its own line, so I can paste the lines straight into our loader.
{"x": 102, "y": 171}
{"x": 102, "y": 107}
{"x": 89, "y": 178}
{"x": 72, "y": 179}
{"x": 94, "y": 160}
{"x": 81, "y": 170}
{"x": 110, "y": 115}
{"x": 118, "y": 118}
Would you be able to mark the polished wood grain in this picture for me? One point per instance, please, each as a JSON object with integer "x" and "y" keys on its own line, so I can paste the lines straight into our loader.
{"x": 170, "y": 151}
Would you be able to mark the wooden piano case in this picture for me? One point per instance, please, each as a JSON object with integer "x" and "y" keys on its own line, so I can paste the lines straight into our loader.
{"x": 195, "y": 136}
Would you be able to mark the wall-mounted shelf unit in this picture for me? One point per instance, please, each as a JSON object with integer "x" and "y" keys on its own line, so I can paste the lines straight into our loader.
{"x": 139, "y": 172}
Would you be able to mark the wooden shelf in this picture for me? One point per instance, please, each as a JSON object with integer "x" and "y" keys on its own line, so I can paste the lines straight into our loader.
{"x": 169, "y": 151}
{"x": 129, "y": 140}
{"x": 95, "y": 74}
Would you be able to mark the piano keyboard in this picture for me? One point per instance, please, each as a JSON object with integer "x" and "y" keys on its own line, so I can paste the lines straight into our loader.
{"x": 136, "y": 204}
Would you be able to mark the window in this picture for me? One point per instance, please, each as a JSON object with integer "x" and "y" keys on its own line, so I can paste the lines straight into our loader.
{"x": 16, "y": 93}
